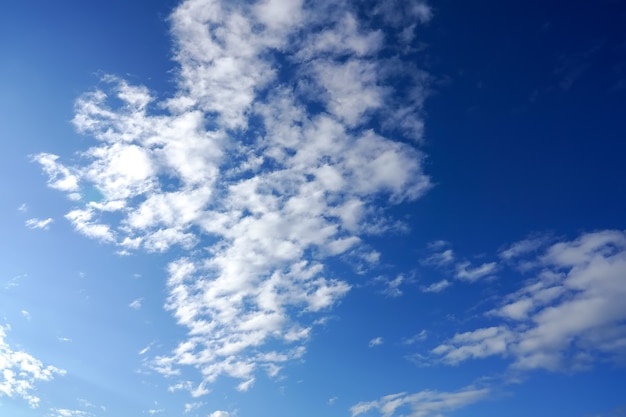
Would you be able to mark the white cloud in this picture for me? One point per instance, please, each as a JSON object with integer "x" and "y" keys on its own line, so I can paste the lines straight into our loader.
{"x": 66, "y": 412}
{"x": 523, "y": 247}
{"x": 437, "y": 286}
{"x": 146, "y": 349}
{"x": 14, "y": 282}
{"x": 59, "y": 176}
{"x": 20, "y": 372}
{"x": 26, "y": 314}
{"x": 465, "y": 272}
{"x": 565, "y": 318}
{"x": 422, "y": 404}
{"x": 189, "y": 407}
{"x": 377, "y": 341}
{"x": 136, "y": 304}
{"x": 420, "y": 337}
{"x": 35, "y": 223}
{"x": 220, "y": 413}
{"x": 441, "y": 258}
{"x": 392, "y": 286}
{"x": 23, "y": 208}
{"x": 242, "y": 160}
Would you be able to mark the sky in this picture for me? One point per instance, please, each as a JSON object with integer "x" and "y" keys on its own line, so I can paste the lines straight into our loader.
{"x": 402, "y": 208}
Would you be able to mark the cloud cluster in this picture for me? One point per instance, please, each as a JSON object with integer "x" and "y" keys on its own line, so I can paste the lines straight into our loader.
{"x": 292, "y": 124}
{"x": 19, "y": 372}
{"x": 566, "y": 317}
{"x": 443, "y": 257}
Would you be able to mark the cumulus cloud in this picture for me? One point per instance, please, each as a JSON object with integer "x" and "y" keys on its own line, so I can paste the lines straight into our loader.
{"x": 565, "y": 318}
{"x": 20, "y": 372}
{"x": 219, "y": 413}
{"x": 286, "y": 135}
{"x": 422, "y": 404}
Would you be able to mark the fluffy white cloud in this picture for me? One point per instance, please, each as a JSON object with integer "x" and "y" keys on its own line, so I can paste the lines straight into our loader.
{"x": 287, "y": 133}
{"x": 566, "y": 317}
{"x": 422, "y": 404}
{"x": 219, "y": 413}
{"x": 19, "y": 372}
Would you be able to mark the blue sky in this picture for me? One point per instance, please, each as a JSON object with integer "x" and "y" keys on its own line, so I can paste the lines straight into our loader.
{"x": 235, "y": 209}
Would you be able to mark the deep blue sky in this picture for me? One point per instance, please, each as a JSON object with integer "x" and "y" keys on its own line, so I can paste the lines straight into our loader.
{"x": 281, "y": 240}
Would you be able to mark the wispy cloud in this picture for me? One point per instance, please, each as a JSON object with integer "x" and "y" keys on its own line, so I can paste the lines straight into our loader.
{"x": 377, "y": 341}
{"x": 523, "y": 247}
{"x": 136, "y": 304}
{"x": 269, "y": 154}
{"x": 437, "y": 286}
{"x": 464, "y": 271}
{"x": 420, "y": 337}
{"x": 565, "y": 318}
{"x": 21, "y": 372}
{"x": 422, "y": 404}
{"x": 35, "y": 223}
{"x": 15, "y": 281}
{"x": 189, "y": 407}
{"x": 442, "y": 258}
{"x": 66, "y": 412}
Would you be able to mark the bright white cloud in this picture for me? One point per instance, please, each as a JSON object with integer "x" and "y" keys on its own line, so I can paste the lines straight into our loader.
{"x": 219, "y": 413}
{"x": 563, "y": 319}
{"x": 20, "y": 372}
{"x": 35, "y": 223}
{"x": 422, "y": 404}
{"x": 267, "y": 156}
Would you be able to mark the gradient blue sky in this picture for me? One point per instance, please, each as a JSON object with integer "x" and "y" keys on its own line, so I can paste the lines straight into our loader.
{"x": 288, "y": 208}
